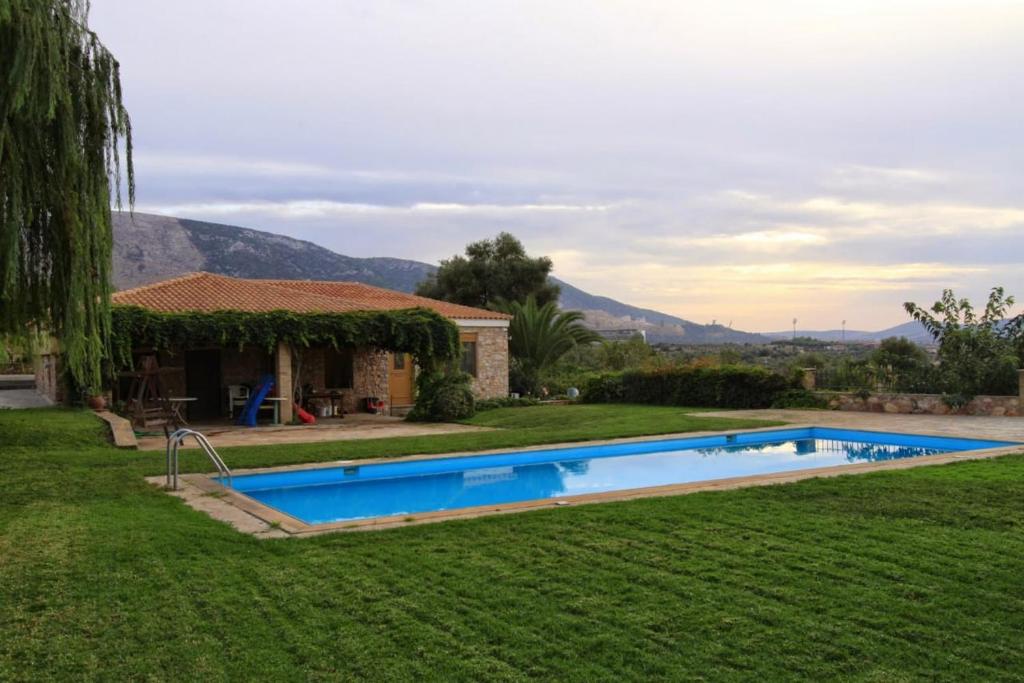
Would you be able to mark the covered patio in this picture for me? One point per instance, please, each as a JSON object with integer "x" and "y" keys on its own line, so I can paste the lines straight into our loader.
{"x": 211, "y": 384}
{"x": 203, "y": 347}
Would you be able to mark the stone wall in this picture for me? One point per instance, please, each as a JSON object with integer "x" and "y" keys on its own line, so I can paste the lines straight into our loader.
{"x": 370, "y": 377}
{"x": 491, "y": 361}
{"x": 922, "y": 404}
{"x": 313, "y": 370}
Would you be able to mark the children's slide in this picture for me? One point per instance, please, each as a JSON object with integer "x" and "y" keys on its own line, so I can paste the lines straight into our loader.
{"x": 306, "y": 418}
{"x": 247, "y": 416}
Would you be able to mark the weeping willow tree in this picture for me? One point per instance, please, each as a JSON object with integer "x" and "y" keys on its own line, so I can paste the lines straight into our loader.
{"x": 61, "y": 127}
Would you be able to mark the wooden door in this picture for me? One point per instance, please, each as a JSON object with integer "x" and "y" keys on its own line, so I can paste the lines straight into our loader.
{"x": 202, "y": 382}
{"x": 400, "y": 379}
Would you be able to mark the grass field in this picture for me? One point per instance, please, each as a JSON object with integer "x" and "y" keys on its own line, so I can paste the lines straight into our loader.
{"x": 887, "y": 576}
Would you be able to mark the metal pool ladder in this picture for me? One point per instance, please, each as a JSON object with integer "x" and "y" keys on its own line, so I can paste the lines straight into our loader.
{"x": 174, "y": 442}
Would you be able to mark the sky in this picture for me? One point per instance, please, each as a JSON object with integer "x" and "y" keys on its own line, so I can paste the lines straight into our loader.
{"x": 741, "y": 161}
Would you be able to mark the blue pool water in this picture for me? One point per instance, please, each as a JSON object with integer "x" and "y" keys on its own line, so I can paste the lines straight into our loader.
{"x": 404, "y": 488}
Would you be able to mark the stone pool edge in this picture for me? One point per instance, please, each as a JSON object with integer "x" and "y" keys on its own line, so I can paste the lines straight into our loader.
{"x": 204, "y": 493}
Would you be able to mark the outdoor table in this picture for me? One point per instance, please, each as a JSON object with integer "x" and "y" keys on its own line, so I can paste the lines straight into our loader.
{"x": 176, "y": 405}
{"x": 276, "y": 400}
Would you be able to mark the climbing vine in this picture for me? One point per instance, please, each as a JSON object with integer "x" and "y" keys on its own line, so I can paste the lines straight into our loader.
{"x": 61, "y": 125}
{"x": 431, "y": 338}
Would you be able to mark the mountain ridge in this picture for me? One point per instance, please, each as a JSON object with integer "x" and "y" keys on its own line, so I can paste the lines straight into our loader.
{"x": 912, "y": 330}
{"x": 150, "y": 247}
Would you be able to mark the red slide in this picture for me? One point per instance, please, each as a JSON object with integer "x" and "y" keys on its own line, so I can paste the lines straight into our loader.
{"x": 304, "y": 416}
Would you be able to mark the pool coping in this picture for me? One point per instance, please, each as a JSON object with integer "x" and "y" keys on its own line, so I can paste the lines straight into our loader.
{"x": 273, "y": 520}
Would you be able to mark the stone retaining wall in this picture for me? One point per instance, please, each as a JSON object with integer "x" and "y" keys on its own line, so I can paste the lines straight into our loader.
{"x": 922, "y": 404}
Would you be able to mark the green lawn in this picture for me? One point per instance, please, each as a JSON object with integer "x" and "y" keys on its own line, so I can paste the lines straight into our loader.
{"x": 887, "y": 576}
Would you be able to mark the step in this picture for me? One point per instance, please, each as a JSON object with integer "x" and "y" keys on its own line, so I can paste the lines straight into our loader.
{"x": 17, "y": 382}
{"x": 401, "y": 411}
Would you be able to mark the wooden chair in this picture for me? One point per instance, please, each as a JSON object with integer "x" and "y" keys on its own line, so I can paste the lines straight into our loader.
{"x": 147, "y": 399}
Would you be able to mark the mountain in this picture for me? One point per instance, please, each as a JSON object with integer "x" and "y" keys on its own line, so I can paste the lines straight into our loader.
{"x": 913, "y": 330}
{"x": 605, "y": 313}
{"x": 148, "y": 248}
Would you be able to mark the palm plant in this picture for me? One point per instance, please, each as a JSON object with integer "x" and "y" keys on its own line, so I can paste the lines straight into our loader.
{"x": 540, "y": 335}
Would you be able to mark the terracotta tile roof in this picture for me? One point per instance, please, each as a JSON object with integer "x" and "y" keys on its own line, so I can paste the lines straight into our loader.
{"x": 380, "y": 299}
{"x": 208, "y": 292}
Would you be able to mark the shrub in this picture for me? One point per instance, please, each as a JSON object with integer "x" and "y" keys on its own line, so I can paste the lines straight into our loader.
{"x": 978, "y": 353}
{"x": 507, "y": 402}
{"x": 956, "y": 401}
{"x": 602, "y": 388}
{"x": 799, "y": 398}
{"x": 559, "y": 382}
{"x": 443, "y": 397}
{"x": 731, "y": 386}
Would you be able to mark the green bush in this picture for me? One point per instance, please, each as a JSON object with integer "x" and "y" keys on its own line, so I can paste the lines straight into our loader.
{"x": 799, "y": 398}
{"x": 731, "y": 386}
{"x": 560, "y": 381}
{"x": 603, "y": 388}
{"x": 443, "y": 397}
{"x": 956, "y": 401}
{"x": 978, "y": 353}
{"x": 507, "y": 402}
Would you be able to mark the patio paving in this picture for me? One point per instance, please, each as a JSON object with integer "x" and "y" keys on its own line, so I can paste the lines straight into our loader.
{"x": 355, "y": 426}
{"x": 964, "y": 426}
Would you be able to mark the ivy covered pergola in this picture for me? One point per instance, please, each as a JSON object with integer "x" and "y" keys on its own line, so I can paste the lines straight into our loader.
{"x": 428, "y": 337}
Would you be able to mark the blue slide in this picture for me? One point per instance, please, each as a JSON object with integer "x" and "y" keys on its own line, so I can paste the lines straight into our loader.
{"x": 247, "y": 416}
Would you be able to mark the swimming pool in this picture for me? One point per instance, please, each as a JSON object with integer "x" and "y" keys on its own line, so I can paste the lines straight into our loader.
{"x": 386, "y": 489}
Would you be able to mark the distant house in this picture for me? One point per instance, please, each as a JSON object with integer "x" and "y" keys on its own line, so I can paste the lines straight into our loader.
{"x": 206, "y": 371}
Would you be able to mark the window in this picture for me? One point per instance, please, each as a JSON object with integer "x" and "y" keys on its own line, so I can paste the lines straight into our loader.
{"x": 399, "y": 361}
{"x": 468, "y": 361}
{"x": 338, "y": 368}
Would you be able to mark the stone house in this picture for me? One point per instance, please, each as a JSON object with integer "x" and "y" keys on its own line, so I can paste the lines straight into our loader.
{"x": 349, "y": 374}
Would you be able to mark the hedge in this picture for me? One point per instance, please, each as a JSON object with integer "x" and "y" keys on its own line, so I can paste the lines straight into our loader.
{"x": 720, "y": 387}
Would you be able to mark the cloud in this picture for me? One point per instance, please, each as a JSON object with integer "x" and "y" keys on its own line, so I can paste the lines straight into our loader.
{"x": 198, "y": 165}
{"x": 844, "y": 218}
{"x": 860, "y": 176}
{"x": 728, "y": 159}
{"x": 760, "y": 240}
{"x": 765, "y": 296}
{"x": 162, "y": 164}
{"x": 328, "y": 208}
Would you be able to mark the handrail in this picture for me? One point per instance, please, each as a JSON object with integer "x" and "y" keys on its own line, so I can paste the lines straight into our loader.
{"x": 176, "y": 440}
